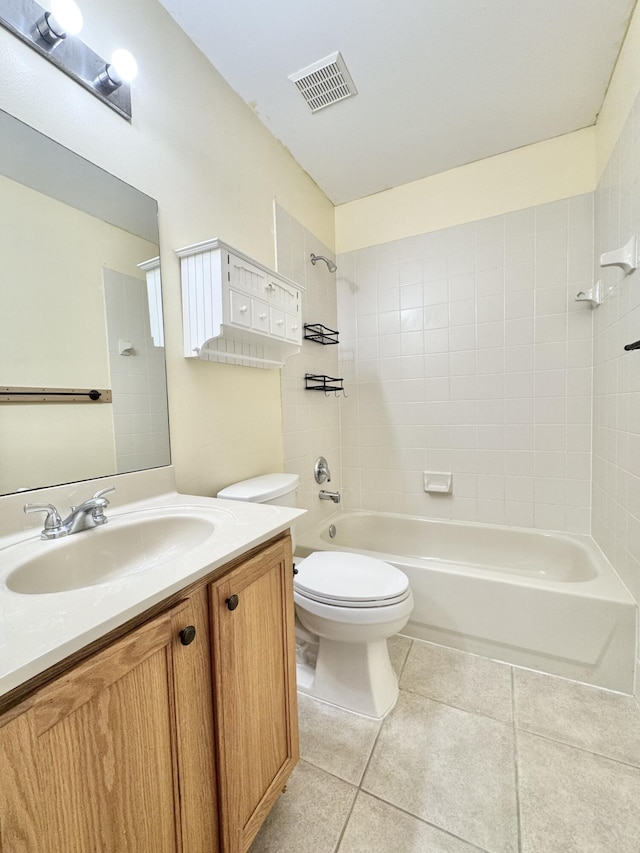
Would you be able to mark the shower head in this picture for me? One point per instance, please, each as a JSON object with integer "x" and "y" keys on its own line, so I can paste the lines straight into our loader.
{"x": 332, "y": 267}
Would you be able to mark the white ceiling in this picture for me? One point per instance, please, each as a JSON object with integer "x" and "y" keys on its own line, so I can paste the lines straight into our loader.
{"x": 440, "y": 82}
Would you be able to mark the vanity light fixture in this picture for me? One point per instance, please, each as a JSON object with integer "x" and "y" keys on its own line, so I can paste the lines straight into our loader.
{"x": 122, "y": 68}
{"x": 65, "y": 18}
{"x": 53, "y": 35}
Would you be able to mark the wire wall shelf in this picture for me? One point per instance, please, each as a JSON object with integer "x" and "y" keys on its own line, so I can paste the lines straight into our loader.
{"x": 320, "y": 334}
{"x": 320, "y": 382}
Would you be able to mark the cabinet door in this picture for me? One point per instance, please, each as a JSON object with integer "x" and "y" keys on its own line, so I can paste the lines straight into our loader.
{"x": 193, "y": 691}
{"x": 253, "y": 650}
{"x": 283, "y": 295}
{"x": 92, "y": 765}
{"x": 246, "y": 278}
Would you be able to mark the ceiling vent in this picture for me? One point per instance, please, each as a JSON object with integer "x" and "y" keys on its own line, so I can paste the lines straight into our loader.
{"x": 325, "y": 82}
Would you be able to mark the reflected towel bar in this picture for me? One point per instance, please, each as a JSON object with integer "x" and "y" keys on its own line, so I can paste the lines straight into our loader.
{"x": 18, "y": 394}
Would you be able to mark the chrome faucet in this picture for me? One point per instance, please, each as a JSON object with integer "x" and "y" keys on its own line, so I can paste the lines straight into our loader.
{"x": 329, "y": 496}
{"x": 88, "y": 514}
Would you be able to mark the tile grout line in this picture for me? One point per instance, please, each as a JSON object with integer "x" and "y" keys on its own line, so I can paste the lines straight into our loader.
{"x": 359, "y": 785}
{"x": 328, "y": 773}
{"x": 375, "y": 743}
{"x": 426, "y": 822}
{"x": 580, "y": 748}
{"x": 515, "y": 760}
{"x": 346, "y": 823}
{"x": 457, "y": 707}
{"x": 406, "y": 657}
{"x": 393, "y": 805}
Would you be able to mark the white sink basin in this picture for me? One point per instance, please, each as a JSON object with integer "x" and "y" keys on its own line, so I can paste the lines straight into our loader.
{"x": 124, "y": 546}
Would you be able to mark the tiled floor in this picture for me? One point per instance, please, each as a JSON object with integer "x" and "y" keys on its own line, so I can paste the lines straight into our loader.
{"x": 476, "y": 756}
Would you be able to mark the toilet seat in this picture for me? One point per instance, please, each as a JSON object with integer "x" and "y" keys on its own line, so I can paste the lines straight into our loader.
{"x": 350, "y": 580}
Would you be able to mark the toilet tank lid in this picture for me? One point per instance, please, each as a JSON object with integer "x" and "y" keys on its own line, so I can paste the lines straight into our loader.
{"x": 260, "y": 489}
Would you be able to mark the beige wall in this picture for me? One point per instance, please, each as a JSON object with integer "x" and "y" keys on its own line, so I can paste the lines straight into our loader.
{"x": 53, "y": 333}
{"x": 537, "y": 174}
{"x": 215, "y": 170}
{"x": 52, "y": 327}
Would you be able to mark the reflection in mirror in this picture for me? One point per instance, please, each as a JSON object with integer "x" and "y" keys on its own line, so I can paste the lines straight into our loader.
{"x": 76, "y": 314}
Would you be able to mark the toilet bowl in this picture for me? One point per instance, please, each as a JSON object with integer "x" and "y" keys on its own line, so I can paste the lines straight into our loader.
{"x": 352, "y": 604}
{"x": 347, "y": 606}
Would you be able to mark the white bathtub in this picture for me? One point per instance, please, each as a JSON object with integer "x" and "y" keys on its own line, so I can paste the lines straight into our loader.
{"x": 547, "y": 601}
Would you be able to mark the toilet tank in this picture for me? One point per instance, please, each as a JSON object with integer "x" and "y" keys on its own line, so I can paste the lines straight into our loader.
{"x": 278, "y": 489}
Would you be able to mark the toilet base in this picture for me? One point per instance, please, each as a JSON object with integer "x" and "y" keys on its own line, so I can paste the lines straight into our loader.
{"x": 358, "y": 677}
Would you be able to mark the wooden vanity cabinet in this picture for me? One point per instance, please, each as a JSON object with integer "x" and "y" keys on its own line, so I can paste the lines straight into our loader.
{"x": 253, "y": 649}
{"x": 167, "y": 739}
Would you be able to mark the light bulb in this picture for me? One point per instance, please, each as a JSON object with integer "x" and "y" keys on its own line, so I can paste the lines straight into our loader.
{"x": 65, "y": 18}
{"x": 124, "y": 65}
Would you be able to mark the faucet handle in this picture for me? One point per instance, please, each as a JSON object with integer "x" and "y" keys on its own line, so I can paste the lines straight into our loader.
{"x": 99, "y": 496}
{"x": 104, "y": 492}
{"x": 321, "y": 471}
{"x": 52, "y": 521}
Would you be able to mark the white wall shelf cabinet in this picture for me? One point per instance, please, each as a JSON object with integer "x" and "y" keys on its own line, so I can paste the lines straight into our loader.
{"x": 236, "y": 311}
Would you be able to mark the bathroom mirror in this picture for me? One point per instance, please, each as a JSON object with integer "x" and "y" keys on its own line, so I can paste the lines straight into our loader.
{"x": 78, "y": 312}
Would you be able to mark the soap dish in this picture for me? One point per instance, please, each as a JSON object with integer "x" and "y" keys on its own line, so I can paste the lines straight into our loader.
{"x": 438, "y": 482}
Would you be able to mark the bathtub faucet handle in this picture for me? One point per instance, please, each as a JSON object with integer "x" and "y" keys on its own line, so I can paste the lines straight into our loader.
{"x": 321, "y": 471}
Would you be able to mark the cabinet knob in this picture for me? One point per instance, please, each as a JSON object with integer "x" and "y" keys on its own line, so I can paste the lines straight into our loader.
{"x": 263, "y": 316}
{"x": 232, "y": 602}
{"x": 243, "y": 309}
{"x": 187, "y": 635}
{"x": 280, "y": 322}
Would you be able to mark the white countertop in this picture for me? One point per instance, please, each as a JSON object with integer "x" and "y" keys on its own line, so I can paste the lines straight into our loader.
{"x": 39, "y": 630}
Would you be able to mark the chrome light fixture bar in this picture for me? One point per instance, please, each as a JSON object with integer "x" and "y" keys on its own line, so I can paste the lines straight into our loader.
{"x": 44, "y": 32}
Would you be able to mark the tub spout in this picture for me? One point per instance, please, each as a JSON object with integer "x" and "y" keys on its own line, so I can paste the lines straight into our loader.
{"x": 329, "y": 496}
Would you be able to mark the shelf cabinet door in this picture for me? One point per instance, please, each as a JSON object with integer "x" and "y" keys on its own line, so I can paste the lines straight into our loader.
{"x": 253, "y": 651}
{"x": 95, "y": 760}
{"x": 193, "y": 691}
{"x": 246, "y": 277}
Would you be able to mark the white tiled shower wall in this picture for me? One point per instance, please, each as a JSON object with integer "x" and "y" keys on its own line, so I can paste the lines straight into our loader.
{"x": 616, "y": 422}
{"x": 311, "y": 420}
{"x": 464, "y": 351}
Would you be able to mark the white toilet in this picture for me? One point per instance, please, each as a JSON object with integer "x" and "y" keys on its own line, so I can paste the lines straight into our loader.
{"x": 348, "y": 606}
